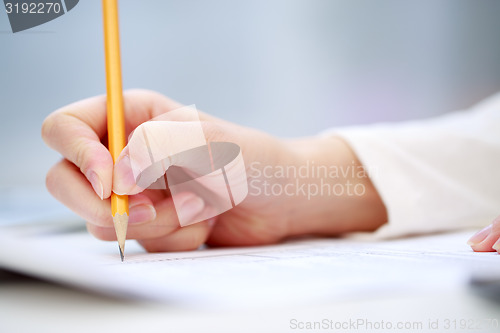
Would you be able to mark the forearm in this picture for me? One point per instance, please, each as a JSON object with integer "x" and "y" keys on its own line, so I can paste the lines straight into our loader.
{"x": 336, "y": 194}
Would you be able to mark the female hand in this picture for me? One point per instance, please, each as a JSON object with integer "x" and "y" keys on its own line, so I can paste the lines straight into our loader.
{"x": 85, "y": 178}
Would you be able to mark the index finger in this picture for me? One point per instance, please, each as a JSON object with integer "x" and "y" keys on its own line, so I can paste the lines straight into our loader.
{"x": 76, "y": 132}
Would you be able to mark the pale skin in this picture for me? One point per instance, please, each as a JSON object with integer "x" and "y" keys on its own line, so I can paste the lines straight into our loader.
{"x": 84, "y": 179}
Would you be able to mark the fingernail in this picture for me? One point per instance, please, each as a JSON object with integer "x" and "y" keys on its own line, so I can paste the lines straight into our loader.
{"x": 496, "y": 246}
{"x": 141, "y": 213}
{"x": 96, "y": 183}
{"x": 123, "y": 177}
{"x": 189, "y": 208}
{"x": 478, "y": 237}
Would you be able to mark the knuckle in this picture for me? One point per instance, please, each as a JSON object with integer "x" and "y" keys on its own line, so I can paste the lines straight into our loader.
{"x": 52, "y": 179}
{"x": 48, "y": 127}
{"x": 80, "y": 155}
{"x": 138, "y": 91}
{"x": 131, "y": 95}
{"x": 88, "y": 154}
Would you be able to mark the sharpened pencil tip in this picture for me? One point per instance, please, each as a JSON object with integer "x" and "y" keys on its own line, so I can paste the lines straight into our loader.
{"x": 120, "y": 221}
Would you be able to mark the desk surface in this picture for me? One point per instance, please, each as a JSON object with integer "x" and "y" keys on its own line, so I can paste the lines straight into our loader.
{"x": 312, "y": 285}
{"x": 28, "y": 305}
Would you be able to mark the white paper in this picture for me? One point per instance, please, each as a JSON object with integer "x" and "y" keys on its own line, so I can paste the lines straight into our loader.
{"x": 299, "y": 272}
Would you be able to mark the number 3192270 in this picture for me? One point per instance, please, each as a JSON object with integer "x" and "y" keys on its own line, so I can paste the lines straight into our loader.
{"x": 33, "y": 8}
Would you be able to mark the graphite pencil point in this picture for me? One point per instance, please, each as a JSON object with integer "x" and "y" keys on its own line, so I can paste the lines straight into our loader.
{"x": 121, "y": 252}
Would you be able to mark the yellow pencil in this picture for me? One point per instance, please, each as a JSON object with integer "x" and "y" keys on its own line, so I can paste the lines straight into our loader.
{"x": 116, "y": 121}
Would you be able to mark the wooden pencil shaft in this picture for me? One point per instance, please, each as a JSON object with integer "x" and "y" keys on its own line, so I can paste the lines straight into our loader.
{"x": 114, "y": 99}
{"x": 116, "y": 123}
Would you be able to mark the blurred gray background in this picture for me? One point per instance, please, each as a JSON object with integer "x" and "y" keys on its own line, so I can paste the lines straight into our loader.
{"x": 288, "y": 67}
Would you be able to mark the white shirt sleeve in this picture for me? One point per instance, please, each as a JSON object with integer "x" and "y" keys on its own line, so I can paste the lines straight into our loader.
{"x": 433, "y": 175}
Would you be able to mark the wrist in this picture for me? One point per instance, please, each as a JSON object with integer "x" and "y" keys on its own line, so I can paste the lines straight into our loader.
{"x": 333, "y": 192}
